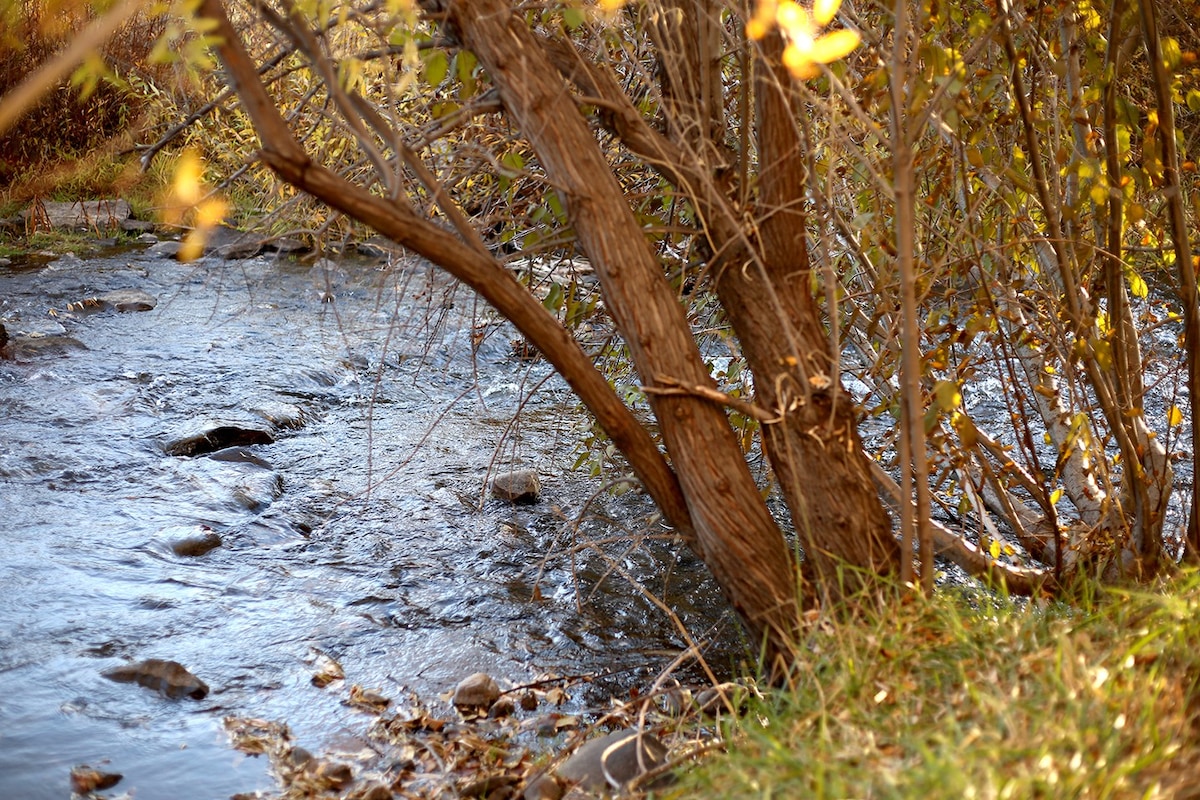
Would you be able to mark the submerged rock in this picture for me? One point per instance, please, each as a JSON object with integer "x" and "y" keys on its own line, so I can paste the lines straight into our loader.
{"x": 217, "y": 438}
{"x": 169, "y": 678}
{"x": 20, "y": 347}
{"x": 476, "y": 691}
{"x": 128, "y": 300}
{"x": 193, "y": 542}
{"x": 85, "y": 779}
{"x": 518, "y": 486}
{"x": 610, "y": 763}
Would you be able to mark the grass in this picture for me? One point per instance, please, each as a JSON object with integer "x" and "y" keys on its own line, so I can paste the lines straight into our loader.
{"x": 970, "y": 696}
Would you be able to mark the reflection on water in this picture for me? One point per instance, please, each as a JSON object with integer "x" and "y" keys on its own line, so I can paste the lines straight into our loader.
{"x": 358, "y": 533}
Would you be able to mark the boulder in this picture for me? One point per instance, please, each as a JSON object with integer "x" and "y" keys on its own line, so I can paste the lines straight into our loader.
{"x": 169, "y": 678}
{"x": 609, "y": 763}
{"x": 518, "y": 486}
{"x": 78, "y": 215}
{"x": 476, "y": 691}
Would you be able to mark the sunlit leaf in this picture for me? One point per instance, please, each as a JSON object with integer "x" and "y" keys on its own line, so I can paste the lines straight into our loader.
{"x": 1174, "y": 416}
{"x": 1055, "y": 496}
{"x": 824, "y": 10}
{"x": 994, "y": 549}
{"x": 946, "y": 395}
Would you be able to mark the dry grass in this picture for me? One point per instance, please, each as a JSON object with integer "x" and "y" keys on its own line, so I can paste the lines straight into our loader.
{"x": 968, "y": 696}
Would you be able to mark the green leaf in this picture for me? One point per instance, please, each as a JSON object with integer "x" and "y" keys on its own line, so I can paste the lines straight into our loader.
{"x": 554, "y": 298}
{"x": 513, "y": 160}
{"x": 437, "y": 66}
{"x": 464, "y": 66}
{"x": 573, "y": 17}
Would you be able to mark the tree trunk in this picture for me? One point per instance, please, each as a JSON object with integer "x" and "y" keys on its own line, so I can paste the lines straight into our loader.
{"x": 814, "y": 447}
{"x": 736, "y": 535}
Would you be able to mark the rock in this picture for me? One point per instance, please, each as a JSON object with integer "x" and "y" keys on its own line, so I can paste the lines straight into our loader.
{"x": 23, "y": 347}
{"x": 193, "y": 542}
{"x": 230, "y": 243}
{"x": 609, "y": 763}
{"x": 476, "y": 691}
{"x": 147, "y": 238}
{"x": 287, "y": 246}
{"x": 79, "y": 215}
{"x": 5, "y": 262}
{"x": 504, "y": 707}
{"x": 128, "y": 300}
{"x": 217, "y": 438}
{"x": 169, "y": 678}
{"x": 240, "y": 455}
{"x": 85, "y": 779}
{"x": 371, "y": 791}
{"x": 140, "y": 226}
{"x": 518, "y": 486}
{"x": 544, "y": 787}
{"x": 168, "y": 249}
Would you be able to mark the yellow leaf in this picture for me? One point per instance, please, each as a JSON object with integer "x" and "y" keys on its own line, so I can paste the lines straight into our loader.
{"x": 1055, "y": 496}
{"x": 835, "y": 45}
{"x": 994, "y": 549}
{"x": 1174, "y": 416}
{"x": 824, "y": 10}
{"x": 946, "y": 395}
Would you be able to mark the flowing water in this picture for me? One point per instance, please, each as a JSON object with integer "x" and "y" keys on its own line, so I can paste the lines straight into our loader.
{"x": 363, "y": 532}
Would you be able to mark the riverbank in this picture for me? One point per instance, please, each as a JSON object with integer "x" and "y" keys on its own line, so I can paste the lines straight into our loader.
{"x": 967, "y": 695}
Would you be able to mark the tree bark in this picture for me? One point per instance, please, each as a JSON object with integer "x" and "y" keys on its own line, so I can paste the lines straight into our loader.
{"x": 814, "y": 447}
{"x": 736, "y": 535}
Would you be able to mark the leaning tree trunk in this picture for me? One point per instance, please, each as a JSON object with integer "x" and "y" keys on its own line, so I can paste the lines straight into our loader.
{"x": 736, "y": 535}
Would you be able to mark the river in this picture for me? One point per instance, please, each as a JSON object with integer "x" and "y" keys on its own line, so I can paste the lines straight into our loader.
{"x": 362, "y": 533}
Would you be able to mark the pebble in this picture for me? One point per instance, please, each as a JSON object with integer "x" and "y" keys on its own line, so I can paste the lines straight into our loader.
{"x": 476, "y": 691}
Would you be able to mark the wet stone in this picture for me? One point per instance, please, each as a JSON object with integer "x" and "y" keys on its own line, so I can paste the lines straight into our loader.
{"x": 195, "y": 542}
{"x": 86, "y": 779}
{"x": 217, "y": 438}
{"x": 169, "y": 678}
{"x": 128, "y": 300}
{"x": 164, "y": 250}
{"x": 609, "y": 763}
{"x": 476, "y": 691}
{"x": 518, "y": 486}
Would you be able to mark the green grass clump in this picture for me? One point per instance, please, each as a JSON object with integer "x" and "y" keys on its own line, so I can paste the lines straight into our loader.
{"x": 961, "y": 697}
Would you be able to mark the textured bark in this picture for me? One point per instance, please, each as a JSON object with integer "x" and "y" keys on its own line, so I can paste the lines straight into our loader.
{"x": 764, "y": 287}
{"x": 814, "y": 448}
{"x": 736, "y": 535}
